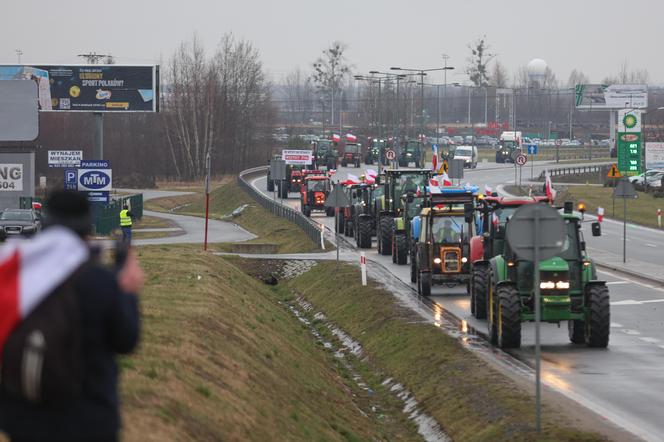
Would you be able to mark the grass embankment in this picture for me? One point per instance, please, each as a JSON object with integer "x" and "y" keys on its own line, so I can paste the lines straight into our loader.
{"x": 152, "y": 222}
{"x": 468, "y": 398}
{"x": 221, "y": 359}
{"x": 227, "y": 196}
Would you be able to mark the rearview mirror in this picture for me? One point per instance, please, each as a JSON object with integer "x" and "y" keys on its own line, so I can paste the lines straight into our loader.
{"x": 596, "y": 228}
{"x": 583, "y": 246}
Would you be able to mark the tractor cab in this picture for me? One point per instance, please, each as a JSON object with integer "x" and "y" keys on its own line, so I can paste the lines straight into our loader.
{"x": 313, "y": 194}
{"x": 412, "y": 152}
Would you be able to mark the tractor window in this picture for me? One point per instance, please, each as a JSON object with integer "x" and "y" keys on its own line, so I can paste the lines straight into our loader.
{"x": 570, "y": 251}
{"x": 316, "y": 185}
{"x": 449, "y": 229}
{"x": 415, "y": 207}
{"x": 409, "y": 183}
{"x": 352, "y": 148}
{"x": 504, "y": 213}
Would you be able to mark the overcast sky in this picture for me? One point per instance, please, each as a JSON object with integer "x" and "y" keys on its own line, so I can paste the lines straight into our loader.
{"x": 595, "y": 36}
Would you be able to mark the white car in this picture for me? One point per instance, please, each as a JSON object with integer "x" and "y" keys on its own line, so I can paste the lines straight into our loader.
{"x": 468, "y": 154}
{"x": 645, "y": 176}
{"x": 654, "y": 181}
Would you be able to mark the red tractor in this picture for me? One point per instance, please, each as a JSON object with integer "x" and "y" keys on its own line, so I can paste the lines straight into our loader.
{"x": 313, "y": 194}
{"x": 493, "y": 211}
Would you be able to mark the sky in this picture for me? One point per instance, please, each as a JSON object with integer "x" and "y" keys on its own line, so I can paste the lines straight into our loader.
{"x": 594, "y": 36}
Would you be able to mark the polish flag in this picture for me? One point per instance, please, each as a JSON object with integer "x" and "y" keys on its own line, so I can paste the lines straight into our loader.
{"x": 369, "y": 179}
{"x": 495, "y": 219}
{"x": 434, "y": 157}
{"x": 351, "y": 137}
{"x": 434, "y": 182}
{"x": 600, "y": 214}
{"x": 418, "y": 192}
{"x": 371, "y": 172}
{"x": 353, "y": 178}
{"x": 336, "y": 138}
{"x": 31, "y": 269}
{"x": 487, "y": 190}
{"x": 446, "y": 180}
{"x": 548, "y": 188}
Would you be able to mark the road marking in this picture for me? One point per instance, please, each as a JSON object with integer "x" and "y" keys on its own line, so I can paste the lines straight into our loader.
{"x": 616, "y": 325}
{"x": 635, "y": 302}
{"x": 605, "y": 272}
{"x": 617, "y": 282}
{"x": 650, "y": 340}
{"x": 629, "y": 331}
{"x": 651, "y": 245}
{"x": 661, "y": 346}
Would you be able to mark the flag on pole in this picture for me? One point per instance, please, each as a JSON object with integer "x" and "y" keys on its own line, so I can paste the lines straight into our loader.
{"x": 372, "y": 173}
{"x": 336, "y": 138}
{"x": 446, "y": 179}
{"x": 31, "y": 270}
{"x": 488, "y": 191}
{"x": 353, "y": 178}
{"x": 548, "y": 188}
{"x": 351, "y": 137}
{"x": 434, "y": 157}
{"x": 600, "y": 214}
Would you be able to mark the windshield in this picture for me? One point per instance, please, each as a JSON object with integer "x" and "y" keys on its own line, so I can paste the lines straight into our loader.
{"x": 570, "y": 249}
{"x": 463, "y": 151}
{"x": 409, "y": 182}
{"x": 509, "y": 144}
{"x": 412, "y": 146}
{"x": 317, "y": 185}
{"x": 415, "y": 207}
{"x": 324, "y": 146}
{"x": 16, "y": 216}
{"x": 449, "y": 229}
{"x": 352, "y": 148}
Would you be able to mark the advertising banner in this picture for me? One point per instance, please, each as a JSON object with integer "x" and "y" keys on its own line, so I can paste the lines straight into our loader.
{"x": 64, "y": 158}
{"x": 95, "y": 180}
{"x": 616, "y": 96}
{"x": 19, "y": 115}
{"x": 304, "y": 157}
{"x": 654, "y": 155}
{"x": 11, "y": 177}
{"x": 91, "y": 88}
{"x": 629, "y": 153}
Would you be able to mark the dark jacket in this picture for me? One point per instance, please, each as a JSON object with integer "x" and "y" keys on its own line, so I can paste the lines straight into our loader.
{"x": 110, "y": 325}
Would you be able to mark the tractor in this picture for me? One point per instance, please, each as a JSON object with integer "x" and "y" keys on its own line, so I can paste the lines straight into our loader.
{"x": 569, "y": 291}
{"x": 412, "y": 152}
{"x": 441, "y": 235}
{"x": 401, "y": 239}
{"x": 364, "y": 219}
{"x": 345, "y": 215}
{"x": 352, "y": 155}
{"x": 395, "y": 183}
{"x": 493, "y": 212}
{"x": 326, "y": 154}
{"x": 314, "y": 193}
{"x": 376, "y": 152}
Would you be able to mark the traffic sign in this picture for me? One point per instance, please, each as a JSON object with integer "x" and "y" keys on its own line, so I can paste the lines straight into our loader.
{"x": 390, "y": 154}
{"x": 521, "y": 159}
{"x": 559, "y": 142}
{"x": 456, "y": 169}
{"x": 71, "y": 179}
{"x": 532, "y": 149}
{"x": 95, "y": 164}
{"x": 337, "y": 198}
{"x": 624, "y": 189}
{"x": 614, "y": 172}
{"x": 95, "y": 180}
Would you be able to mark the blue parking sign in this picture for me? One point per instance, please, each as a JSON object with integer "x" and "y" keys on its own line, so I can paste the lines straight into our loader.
{"x": 71, "y": 179}
{"x": 532, "y": 149}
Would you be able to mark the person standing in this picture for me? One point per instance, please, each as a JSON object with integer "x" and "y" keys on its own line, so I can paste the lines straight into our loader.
{"x": 107, "y": 323}
{"x": 126, "y": 217}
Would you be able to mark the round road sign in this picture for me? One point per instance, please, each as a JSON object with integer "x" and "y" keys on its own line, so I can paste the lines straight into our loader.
{"x": 521, "y": 159}
{"x": 390, "y": 154}
{"x": 559, "y": 142}
{"x": 536, "y": 225}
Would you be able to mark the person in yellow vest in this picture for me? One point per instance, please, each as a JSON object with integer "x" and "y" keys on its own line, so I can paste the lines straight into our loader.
{"x": 125, "y": 223}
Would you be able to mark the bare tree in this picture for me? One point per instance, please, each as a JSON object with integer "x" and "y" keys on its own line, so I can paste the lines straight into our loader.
{"x": 577, "y": 77}
{"x": 330, "y": 70}
{"x": 499, "y": 76}
{"x": 299, "y": 95}
{"x": 477, "y": 68}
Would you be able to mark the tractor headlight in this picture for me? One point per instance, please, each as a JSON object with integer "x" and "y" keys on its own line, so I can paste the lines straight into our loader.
{"x": 409, "y": 154}
{"x": 547, "y": 285}
{"x": 464, "y": 260}
{"x": 562, "y": 285}
{"x": 436, "y": 260}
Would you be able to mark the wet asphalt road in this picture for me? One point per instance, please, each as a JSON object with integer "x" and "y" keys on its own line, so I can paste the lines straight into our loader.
{"x": 624, "y": 383}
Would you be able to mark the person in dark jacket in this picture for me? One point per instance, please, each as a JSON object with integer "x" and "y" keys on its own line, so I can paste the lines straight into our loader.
{"x": 109, "y": 326}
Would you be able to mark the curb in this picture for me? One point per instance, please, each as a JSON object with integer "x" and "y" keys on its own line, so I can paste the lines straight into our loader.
{"x": 631, "y": 273}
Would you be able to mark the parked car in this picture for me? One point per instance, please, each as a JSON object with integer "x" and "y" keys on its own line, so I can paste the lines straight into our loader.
{"x": 19, "y": 222}
{"x": 645, "y": 176}
{"x": 654, "y": 182}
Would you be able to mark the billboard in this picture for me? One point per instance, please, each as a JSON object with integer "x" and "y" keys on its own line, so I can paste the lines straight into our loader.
{"x": 304, "y": 157}
{"x": 615, "y": 96}
{"x": 64, "y": 158}
{"x": 91, "y": 88}
{"x": 19, "y": 117}
{"x": 654, "y": 155}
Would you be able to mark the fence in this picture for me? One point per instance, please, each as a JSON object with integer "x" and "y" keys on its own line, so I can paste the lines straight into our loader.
{"x": 600, "y": 169}
{"x": 106, "y": 218}
{"x": 309, "y": 227}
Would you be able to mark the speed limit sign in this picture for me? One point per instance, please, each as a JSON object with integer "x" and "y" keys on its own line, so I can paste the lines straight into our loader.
{"x": 521, "y": 159}
{"x": 390, "y": 154}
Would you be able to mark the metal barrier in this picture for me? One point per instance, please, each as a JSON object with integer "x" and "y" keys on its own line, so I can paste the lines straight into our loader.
{"x": 106, "y": 218}
{"x": 309, "y": 227}
{"x": 563, "y": 171}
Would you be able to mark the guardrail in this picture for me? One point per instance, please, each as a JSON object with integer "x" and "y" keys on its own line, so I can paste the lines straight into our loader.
{"x": 576, "y": 170}
{"x": 309, "y": 227}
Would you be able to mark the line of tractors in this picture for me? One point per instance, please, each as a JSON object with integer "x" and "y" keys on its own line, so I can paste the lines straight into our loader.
{"x": 455, "y": 236}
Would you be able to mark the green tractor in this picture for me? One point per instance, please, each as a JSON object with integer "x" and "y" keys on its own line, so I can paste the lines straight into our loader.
{"x": 441, "y": 236}
{"x": 364, "y": 219}
{"x": 402, "y": 245}
{"x": 412, "y": 152}
{"x": 326, "y": 154}
{"x": 569, "y": 291}
{"x": 389, "y": 207}
{"x": 376, "y": 152}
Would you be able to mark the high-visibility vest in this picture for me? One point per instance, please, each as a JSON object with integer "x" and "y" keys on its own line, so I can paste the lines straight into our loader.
{"x": 125, "y": 220}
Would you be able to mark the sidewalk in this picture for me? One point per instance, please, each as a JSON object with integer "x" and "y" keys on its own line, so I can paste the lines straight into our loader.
{"x": 633, "y": 267}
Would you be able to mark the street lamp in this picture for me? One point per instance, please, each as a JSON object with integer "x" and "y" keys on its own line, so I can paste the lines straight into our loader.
{"x": 422, "y": 73}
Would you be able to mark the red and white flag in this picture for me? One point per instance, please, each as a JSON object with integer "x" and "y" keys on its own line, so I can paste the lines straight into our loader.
{"x": 372, "y": 173}
{"x": 600, "y": 214}
{"x": 445, "y": 179}
{"x": 548, "y": 188}
{"x": 434, "y": 157}
{"x": 353, "y": 178}
{"x": 351, "y": 137}
{"x": 30, "y": 270}
{"x": 336, "y": 138}
{"x": 487, "y": 190}
{"x": 434, "y": 182}
{"x": 495, "y": 219}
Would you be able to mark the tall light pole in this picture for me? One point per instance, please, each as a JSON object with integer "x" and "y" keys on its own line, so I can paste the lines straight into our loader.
{"x": 422, "y": 73}
{"x": 445, "y": 58}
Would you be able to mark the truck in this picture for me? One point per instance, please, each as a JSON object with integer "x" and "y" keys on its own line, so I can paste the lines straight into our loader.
{"x": 441, "y": 236}
{"x": 509, "y": 146}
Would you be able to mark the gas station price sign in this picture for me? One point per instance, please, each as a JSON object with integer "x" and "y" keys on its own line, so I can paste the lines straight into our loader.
{"x": 629, "y": 153}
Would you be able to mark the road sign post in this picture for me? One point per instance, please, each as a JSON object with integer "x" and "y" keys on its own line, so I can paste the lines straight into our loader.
{"x": 207, "y": 198}
{"x": 624, "y": 189}
{"x": 391, "y": 155}
{"x": 520, "y": 161}
{"x": 536, "y": 232}
{"x": 532, "y": 150}
{"x": 337, "y": 199}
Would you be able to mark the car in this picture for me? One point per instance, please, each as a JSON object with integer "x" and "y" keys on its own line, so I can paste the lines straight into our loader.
{"x": 468, "y": 154}
{"x": 654, "y": 182}
{"x": 23, "y": 222}
{"x": 645, "y": 176}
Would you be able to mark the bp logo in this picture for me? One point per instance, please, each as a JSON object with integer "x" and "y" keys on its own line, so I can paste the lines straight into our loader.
{"x": 629, "y": 121}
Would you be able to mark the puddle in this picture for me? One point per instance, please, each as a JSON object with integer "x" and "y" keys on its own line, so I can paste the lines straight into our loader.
{"x": 427, "y": 427}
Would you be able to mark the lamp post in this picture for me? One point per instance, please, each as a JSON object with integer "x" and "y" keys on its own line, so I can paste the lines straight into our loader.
{"x": 422, "y": 73}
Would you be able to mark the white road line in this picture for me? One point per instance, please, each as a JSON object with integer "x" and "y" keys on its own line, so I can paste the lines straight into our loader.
{"x": 617, "y": 282}
{"x": 651, "y": 245}
{"x": 616, "y": 325}
{"x": 604, "y": 272}
{"x": 629, "y": 331}
{"x": 635, "y": 302}
{"x": 650, "y": 340}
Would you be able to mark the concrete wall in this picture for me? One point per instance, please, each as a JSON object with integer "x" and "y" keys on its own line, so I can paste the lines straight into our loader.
{"x": 11, "y": 198}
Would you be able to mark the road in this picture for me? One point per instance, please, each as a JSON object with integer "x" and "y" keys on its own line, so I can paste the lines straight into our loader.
{"x": 623, "y": 383}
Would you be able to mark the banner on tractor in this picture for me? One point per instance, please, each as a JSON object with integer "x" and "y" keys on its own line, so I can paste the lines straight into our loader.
{"x": 303, "y": 157}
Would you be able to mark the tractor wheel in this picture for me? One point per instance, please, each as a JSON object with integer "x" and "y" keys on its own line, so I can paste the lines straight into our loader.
{"x": 385, "y": 235}
{"x": 478, "y": 291}
{"x": 413, "y": 269}
{"x": 357, "y": 163}
{"x": 343, "y": 164}
{"x": 577, "y": 331}
{"x": 401, "y": 249}
{"x": 509, "y": 317}
{"x": 393, "y": 242}
{"x": 425, "y": 284}
{"x": 491, "y": 316}
{"x": 349, "y": 227}
{"x": 341, "y": 222}
{"x": 329, "y": 211}
{"x": 368, "y": 160}
{"x": 270, "y": 185}
{"x": 598, "y": 321}
{"x": 306, "y": 210}
{"x": 364, "y": 233}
